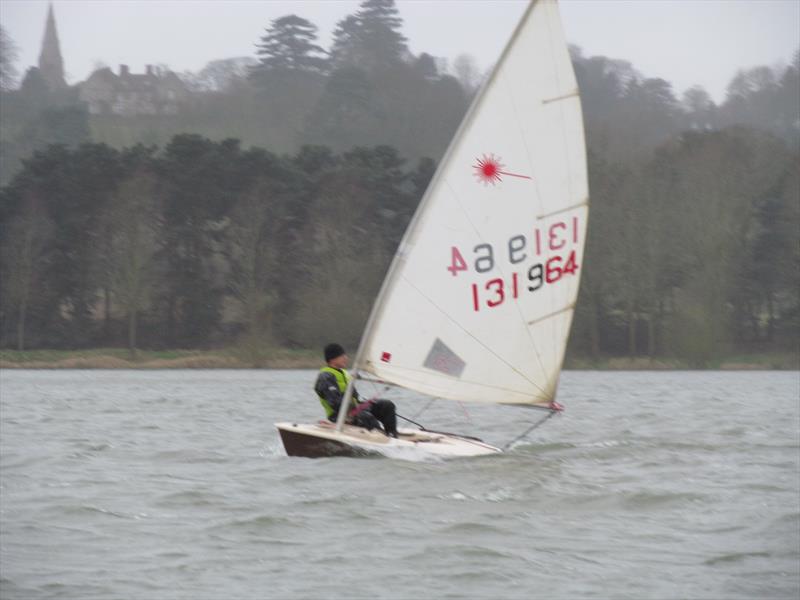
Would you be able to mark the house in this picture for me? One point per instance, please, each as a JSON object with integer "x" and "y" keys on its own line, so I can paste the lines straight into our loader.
{"x": 154, "y": 92}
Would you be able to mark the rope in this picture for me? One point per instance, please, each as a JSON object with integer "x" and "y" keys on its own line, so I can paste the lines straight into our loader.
{"x": 424, "y": 408}
{"x": 422, "y": 427}
{"x": 383, "y": 391}
{"x": 553, "y": 411}
{"x": 380, "y": 393}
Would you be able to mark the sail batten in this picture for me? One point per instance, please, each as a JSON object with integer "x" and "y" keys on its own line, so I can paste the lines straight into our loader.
{"x": 478, "y": 301}
{"x": 573, "y": 94}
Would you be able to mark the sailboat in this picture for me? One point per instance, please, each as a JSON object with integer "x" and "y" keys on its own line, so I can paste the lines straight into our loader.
{"x": 478, "y": 301}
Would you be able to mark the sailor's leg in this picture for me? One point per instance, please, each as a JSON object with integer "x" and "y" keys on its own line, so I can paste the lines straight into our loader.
{"x": 384, "y": 411}
{"x": 366, "y": 420}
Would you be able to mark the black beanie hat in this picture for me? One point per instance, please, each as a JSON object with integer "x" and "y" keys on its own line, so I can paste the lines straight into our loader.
{"x": 332, "y": 351}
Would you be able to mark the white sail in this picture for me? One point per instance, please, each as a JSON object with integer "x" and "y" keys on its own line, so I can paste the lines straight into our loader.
{"x": 478, "y": 302}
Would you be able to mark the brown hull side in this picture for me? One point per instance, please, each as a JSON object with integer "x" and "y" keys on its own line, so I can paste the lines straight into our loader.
{"x": 311, "y": 446}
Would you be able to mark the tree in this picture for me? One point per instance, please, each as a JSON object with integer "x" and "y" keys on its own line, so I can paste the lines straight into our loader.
{"x": 33, "y": 91}
{"x": 700, "y": 108}
{"x": 34, "y": 117}
{"x": 289, "y": 45}
{"x": 25, "y": 242}
{"x": 8, "y": 56}
{"x": 371, "y": 39}
{"x": 253, "y": 256}
{"x": 422, "y": 176}
{"x": 600, "y": 281}
{"x": 353, "y": 228}
{"x": 289, "y": 80}
{"x": 133, "y": 220}
{"x": 425, "y": 65}
{"x": 381, "y": 30}
{"x": 715, "y": 181}
{"x": 767, "y": 99}
{"x": 221, "y": 75}
{"x": 346, "y": 49}
{"x": 651, "y": 114}
{"x": 771, "y": 269}
{"x": 68, "y": 126}
{"x": 74, "y": 186}
{"x": 466, "y": 71}
{"x": 347, "y": 113}
{"x": 199, "y": 178}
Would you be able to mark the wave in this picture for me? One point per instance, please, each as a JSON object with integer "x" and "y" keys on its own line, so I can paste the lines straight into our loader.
{"x": 735, "y": 557}
{"x": 472, "y": 528}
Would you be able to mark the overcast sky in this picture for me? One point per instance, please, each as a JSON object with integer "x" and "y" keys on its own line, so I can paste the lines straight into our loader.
{"x": 686, "y": 42}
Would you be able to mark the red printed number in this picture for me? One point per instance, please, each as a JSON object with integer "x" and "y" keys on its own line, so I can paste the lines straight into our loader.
{"x": 571, "y": 265}
{"x": 457, "y": 262}
{"x": 553, "y": 271}
{"x": 496, "y": 286}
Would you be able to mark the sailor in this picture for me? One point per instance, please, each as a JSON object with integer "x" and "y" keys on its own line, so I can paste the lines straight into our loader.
{"x": 331, "y": 385}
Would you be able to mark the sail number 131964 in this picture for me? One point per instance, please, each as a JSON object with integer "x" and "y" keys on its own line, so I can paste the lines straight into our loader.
{"x": 494, "y": 292}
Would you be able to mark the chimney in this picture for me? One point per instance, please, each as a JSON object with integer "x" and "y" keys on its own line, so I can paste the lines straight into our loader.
{"x": 123, "y": 70}
{"x": 149, "y": 69}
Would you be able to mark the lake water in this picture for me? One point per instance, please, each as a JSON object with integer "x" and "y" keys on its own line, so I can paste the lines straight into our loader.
{"x": 173, "y": 484}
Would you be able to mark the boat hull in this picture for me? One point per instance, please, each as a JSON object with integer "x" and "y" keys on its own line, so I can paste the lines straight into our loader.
{"x": 322, "y": 440}
{"x": 298, "y": 443}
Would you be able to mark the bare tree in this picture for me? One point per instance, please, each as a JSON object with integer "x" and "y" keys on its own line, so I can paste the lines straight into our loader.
{"x": 24, "y": 250}
{"x": 220, "y": 75}
{"x": 134, "y": 225}
{"x": 253, "y": 260}
{"x": 8, "y": 56}
{"x": 467, "y": 73}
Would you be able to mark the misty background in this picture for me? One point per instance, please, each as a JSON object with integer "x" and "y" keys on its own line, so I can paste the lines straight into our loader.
{"x": 258, "y": 200}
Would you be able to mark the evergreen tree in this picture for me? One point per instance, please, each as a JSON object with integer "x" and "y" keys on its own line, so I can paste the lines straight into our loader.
{"x": 346, "y": 43}
{"x": 289, "y": 45}
{"x": 348, "y": 113}
{"x": 289, "y": 80}
{"x": 352, "y": 228}
{"x": 370, "y": 39}
{"x": 199, "y": 178}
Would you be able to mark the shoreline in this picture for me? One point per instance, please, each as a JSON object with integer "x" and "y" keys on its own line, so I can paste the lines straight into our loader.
{"x": 234, "y": 358}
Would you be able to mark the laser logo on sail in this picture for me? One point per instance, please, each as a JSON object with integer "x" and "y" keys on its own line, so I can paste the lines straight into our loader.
{"x": 488, "y": 170}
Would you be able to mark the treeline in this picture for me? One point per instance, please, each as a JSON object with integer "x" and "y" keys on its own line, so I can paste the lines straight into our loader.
{"x": 368, "y": 89}
{"x": 267, "y": 211}
{"x": 200, "y": 244}
{"x": 627, "y": 114}
{"x": 693, "y": 253}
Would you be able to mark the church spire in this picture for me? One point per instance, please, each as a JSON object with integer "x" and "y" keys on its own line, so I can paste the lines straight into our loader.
{"x": 51, "y": 64}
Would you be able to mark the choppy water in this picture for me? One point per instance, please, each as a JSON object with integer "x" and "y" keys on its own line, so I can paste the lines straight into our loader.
{"x": 173, "y": 484}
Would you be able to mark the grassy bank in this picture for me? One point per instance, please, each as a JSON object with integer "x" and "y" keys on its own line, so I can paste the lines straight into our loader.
{"x": 117, "y": 358}
{"x": 281, "y": 358}
{"x": 783, "y": 361}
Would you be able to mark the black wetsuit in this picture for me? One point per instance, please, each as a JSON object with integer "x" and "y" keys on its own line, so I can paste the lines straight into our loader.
{"x": 376, "y": 413}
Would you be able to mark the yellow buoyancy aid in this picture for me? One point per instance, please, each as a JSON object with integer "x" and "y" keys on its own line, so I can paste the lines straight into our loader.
{"x": 342, "y": 378}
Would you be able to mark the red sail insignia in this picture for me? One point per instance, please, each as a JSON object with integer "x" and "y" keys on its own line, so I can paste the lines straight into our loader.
{"x": 489, "y": 170}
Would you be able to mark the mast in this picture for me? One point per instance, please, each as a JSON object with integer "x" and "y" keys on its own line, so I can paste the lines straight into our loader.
{"x": 399, "y": 256}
